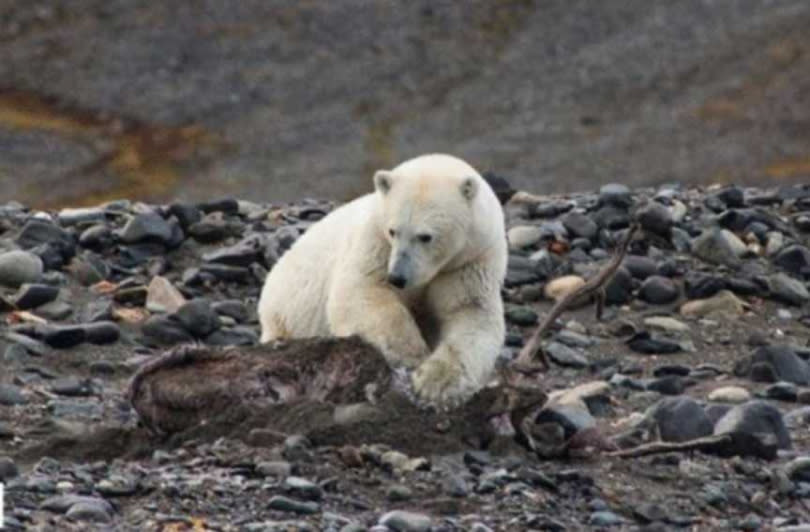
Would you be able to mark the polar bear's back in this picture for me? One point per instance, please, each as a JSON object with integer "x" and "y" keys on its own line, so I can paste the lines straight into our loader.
{"x": 293, "y": 299}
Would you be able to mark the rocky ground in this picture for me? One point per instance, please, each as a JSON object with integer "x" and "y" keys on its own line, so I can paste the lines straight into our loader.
{"x": 705, "y": 331}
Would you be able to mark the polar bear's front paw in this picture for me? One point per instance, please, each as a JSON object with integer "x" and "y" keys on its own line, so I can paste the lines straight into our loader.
{"x": 441, "y": 382}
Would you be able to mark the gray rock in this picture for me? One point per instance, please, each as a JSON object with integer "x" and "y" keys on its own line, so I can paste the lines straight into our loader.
{"x": 679, "y": 419}
{"x": 781, "y": 360}
{"x": 718, "y": 246}
{"x": 72, "y": 387}
{"x": 163, "y": 330}
{"x": 95, "y": 511}
{"x": 101, "y": 332}
{"x": 232, "y": 336}
{"x": 81, "y": 215}
{"x": 62, "y": 503}
{"x": 404, "y": 521}
{"x": 146, "y": 227}
{"x": 605, "y": 519}
{"x": 655, "y": 218}
{"x": 522, "y": 316}
{"x": 787, "y": 289}
{"x": 639, "y": 266}
{"x": 756, "y": 418}
{"x": 566, "y": 356}
{"x": 34, "y": 295}
{"x": 198, "y": 318}
{"x": 658, "y": 290}
{"x": 579, "y": 224}
{"x": 11, "y": 395}
{"x": 793, "y": 259}
{"x": 277, "y": 468}
{"x": 19, "y": 267}
{"x": 782, "y": 391}
{"x": 615, "y": 194}
{"x": 573, "y": 416}
{"x": 8, "y": 469}
{"x": 286, "y": 504}
{"x": 798, "y": 469}
{"x": 302, "y": 487}
{"x": 619, "y": 289}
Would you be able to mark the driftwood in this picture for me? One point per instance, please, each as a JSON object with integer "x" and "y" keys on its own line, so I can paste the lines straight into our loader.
{"x": 594, "y": 286}
{"x": 334, "y": 391}
{"x": 728, "y": 444}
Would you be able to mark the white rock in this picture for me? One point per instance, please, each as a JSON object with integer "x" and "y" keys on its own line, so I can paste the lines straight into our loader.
{"x": 523, "y": 236}
{"x": 730, "y": 394}
{"x": 560, "y": 286}
{"x": 666, "y": 323}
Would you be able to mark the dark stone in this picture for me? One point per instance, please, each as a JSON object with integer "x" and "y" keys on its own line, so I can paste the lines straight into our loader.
{"x": 225, "y": 205}
{"x": 225, "y": 273}
{"x": 186, "y": 214}
{"x": 671, "y": 369}
{"x": 232, "y": 308}
{"x": 11, "y": 395}
{"x": 64, "y": 336}
{"x": 209, "y": 230}
{"x": 72, "y": 387}
{"x": 655, "y": 218}
{"x": 232, "y": 336}
{"x": 246, "y": 252}
{"x": 286, "y": 504}
{"x": 37, "y": 233}
{"x": 620, "y": 288}
{"x": 702, "y": 286}
{"x": 616, "y": 195}
{"x": 643, "y": 342}
{"x": 34, "y": 295}
{"x": 102, "y": 332}
{"x": 572, "y": 418}
{"x": 782, "y": 391}
{"x": 198, "y": 318}
{"x": 610, "y": 217}
{"x": 733, "y": 197}
{"x": 669, "y": 385}
{"x": 658, "y": 290}
{"x": 794, "y": 259}
{"x": 162, "y": 330}
{"x": 579, "y": 224}
{"x": 786, "y": 364}
{"x": 680, "y": 419}
{"x": 520, "y": 271}
{"x": 8, "y": 469}
{"x": 146, "y": 227}
{"x": 756, "y": 418}
{"x": 640, "y": 267}
{"x": 96, "y": 237}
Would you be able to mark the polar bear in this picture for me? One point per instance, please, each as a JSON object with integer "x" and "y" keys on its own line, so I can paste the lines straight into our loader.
{"x": 414, "y": 268}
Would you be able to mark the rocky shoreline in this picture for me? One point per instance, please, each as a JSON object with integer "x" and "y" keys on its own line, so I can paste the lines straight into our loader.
{"x": 705, "y": 332}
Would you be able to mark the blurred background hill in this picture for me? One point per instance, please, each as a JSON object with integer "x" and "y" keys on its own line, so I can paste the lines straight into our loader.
{"x": 278, "y": 100}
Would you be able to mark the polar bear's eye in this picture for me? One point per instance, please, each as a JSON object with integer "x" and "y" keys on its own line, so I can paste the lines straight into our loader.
{"x": 392, "y": 233}
{"x": 424, "y": 238}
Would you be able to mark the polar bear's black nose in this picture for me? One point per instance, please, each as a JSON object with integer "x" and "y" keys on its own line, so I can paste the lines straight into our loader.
{"x": 397, "y": 280}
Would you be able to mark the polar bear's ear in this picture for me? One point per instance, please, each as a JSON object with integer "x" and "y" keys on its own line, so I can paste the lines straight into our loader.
{"x": 383, "y": 180}
{"x": 469, "y": 188}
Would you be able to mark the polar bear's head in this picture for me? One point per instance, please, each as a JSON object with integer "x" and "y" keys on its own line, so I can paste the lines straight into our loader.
{"x": 432, "y": 210}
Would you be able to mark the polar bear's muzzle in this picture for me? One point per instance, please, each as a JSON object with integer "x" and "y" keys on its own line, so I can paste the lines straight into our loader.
{"x": 399, "y": 270}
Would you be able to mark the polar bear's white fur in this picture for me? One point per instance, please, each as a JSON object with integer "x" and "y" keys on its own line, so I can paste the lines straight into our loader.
{"x": 414, "y": 268}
